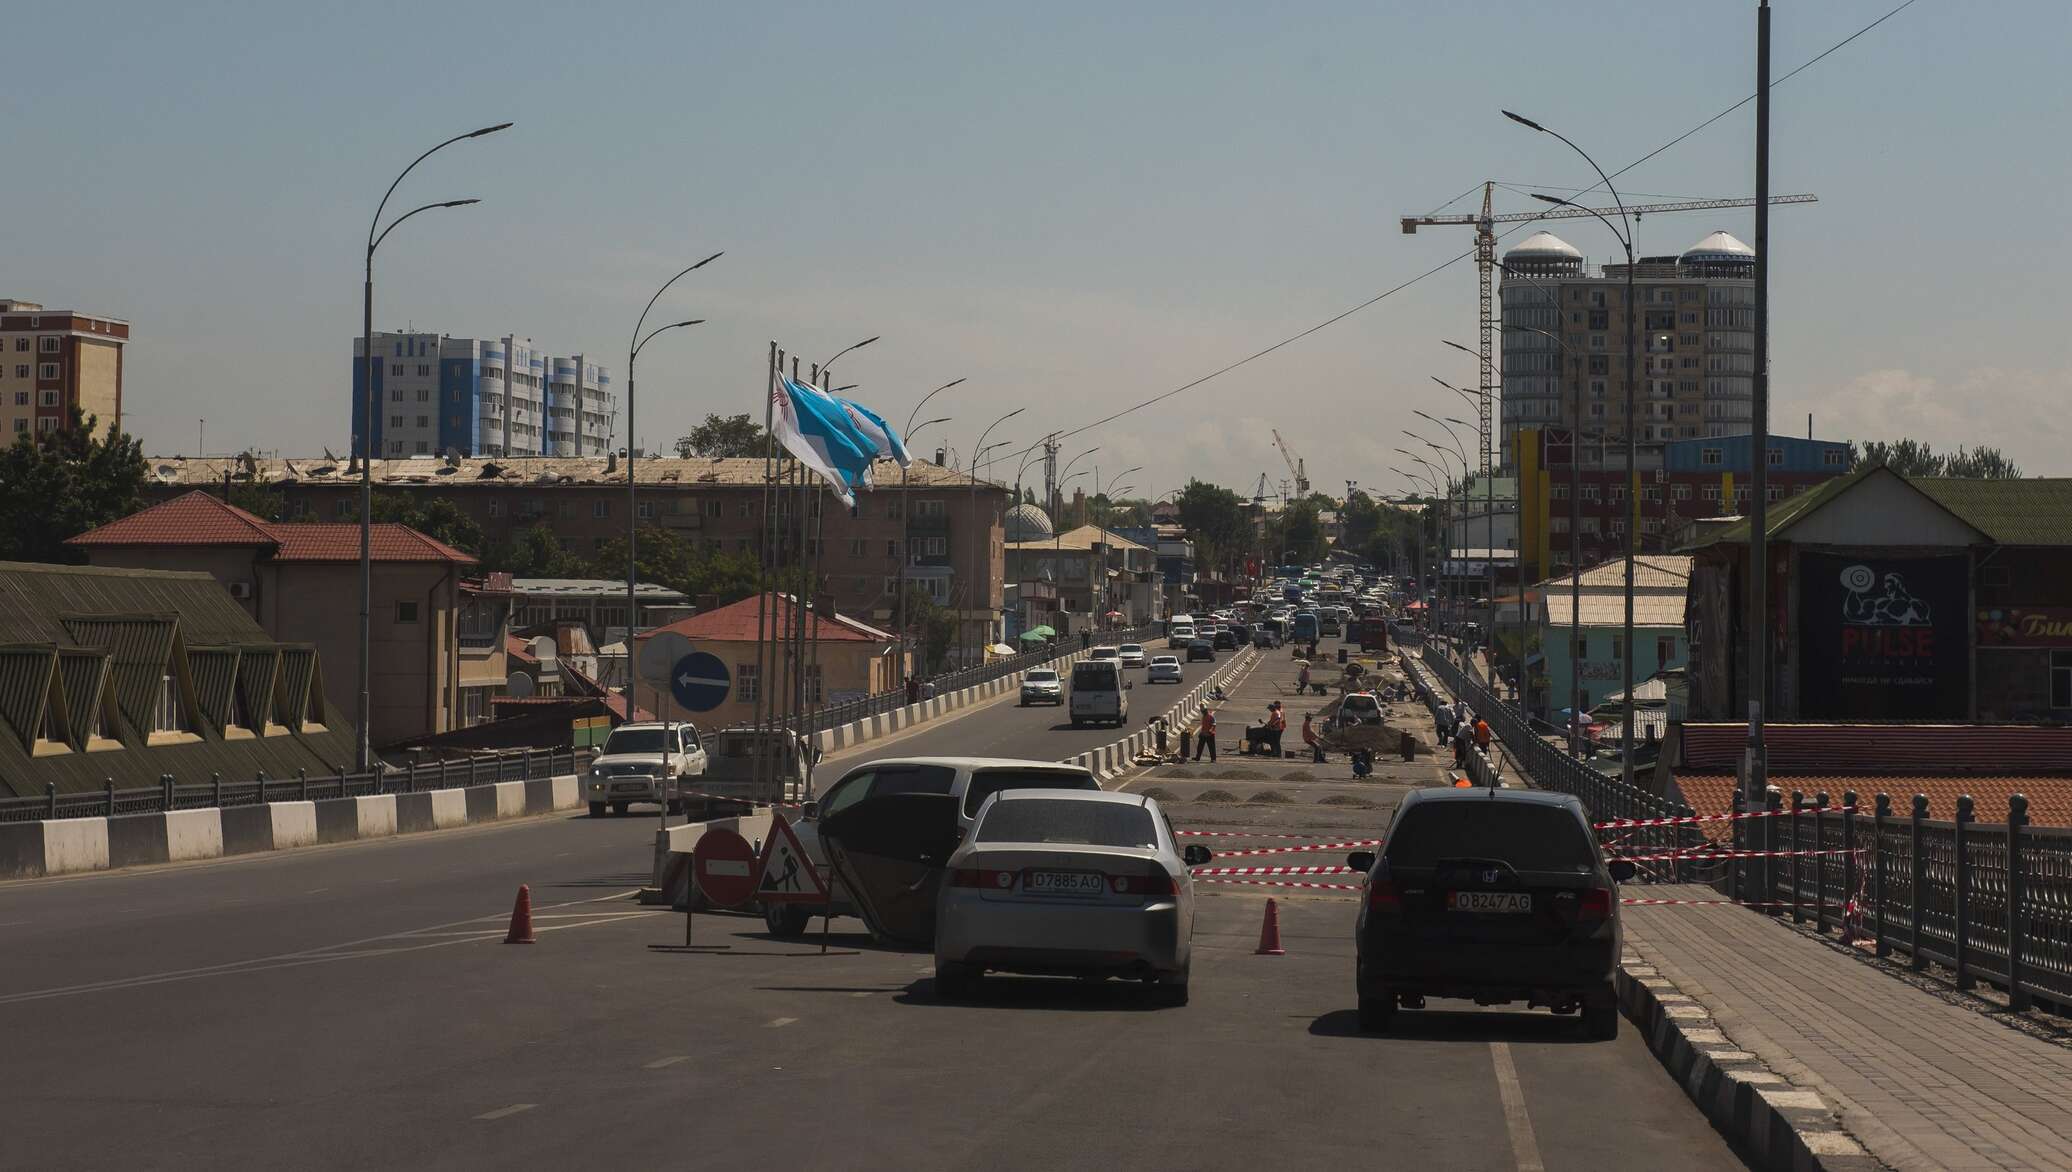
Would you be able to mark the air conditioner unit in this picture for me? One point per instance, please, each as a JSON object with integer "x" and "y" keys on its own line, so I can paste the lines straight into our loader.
{"x": 241, "y": 590}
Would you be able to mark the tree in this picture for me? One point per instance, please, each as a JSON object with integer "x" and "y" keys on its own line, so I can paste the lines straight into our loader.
{"x": 58, "y": 484}
{"x": 666, "y": 559}
{"x": 932, "y": 627}
{"x": 533, "y": 553}
{"x": 258, "y": 498}
{"x": 1300, "y": 532}
{"x": 1913, "y": 458}
{"x": 1217, "y": 521}
{"x": 729, "y": 435}
{"x": 1360, "y": 521}
{"x": 435, "y": 517}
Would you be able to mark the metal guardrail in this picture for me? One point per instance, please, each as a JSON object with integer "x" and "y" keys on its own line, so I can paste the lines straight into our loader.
{"x": 1990, "y": 902}
{"x": 173, "y": 794}
{"x": 1549, "y": 766}
{"x": 835, "y": 715}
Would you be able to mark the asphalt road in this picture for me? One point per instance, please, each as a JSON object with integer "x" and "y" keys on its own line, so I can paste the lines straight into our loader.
{"x": 354, "y": 1006}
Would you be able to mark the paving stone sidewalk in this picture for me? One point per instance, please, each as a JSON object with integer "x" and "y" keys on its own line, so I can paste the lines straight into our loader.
{"x": 1919, "y": 1081}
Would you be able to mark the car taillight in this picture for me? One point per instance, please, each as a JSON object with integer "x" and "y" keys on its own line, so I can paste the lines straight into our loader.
{"x": 1383, "y": 896}
{"x": 1596, "y": 904}
{"x": 1156, "y": 883}
{"x": 981, "y": 878}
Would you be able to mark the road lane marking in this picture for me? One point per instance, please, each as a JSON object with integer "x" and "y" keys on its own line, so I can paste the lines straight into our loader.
{"x": 507, "y": 1112}
{"x": 782, "y": 1021}
{"x": 672, "y": 1060}
{"x": 1524, "y": 1148}
{"x": 316, "y": 890}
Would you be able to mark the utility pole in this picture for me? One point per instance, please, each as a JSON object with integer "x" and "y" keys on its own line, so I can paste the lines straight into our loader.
{"x": 1759, "y": 426}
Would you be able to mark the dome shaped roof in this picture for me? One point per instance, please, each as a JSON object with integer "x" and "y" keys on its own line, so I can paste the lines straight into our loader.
{"x": 1720, "y": 247}
{"x": 1028, "y": 523}
{"x": 1544, "y": 246}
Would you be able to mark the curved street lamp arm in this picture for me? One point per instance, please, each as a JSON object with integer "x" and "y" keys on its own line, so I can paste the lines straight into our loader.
{"x": 448, "y": 203}
{"x": 1604, "y": 178}
{"x": 642, "y": 320}
{"x": 844, "y": 350}
{"x": 675, "y": 325}
{"x": 924, "y": 402}
{"x": 374, "y": 241}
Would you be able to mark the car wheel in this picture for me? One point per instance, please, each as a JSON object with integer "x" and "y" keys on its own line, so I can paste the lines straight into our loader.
{"x": 1601, "y": 1020}
{"x": 786, "y": 919}
{"x": 597, "y": 809}
{"x": 1377, "y": 1013}
{"x": 620, "y": 807}
{"x": 954, "y": 981}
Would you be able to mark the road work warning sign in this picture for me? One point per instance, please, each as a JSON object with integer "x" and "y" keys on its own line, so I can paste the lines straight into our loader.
{"x": 786, "y": 874}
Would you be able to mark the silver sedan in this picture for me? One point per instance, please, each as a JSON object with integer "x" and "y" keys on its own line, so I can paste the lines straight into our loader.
{"x": 1072, "y": 882}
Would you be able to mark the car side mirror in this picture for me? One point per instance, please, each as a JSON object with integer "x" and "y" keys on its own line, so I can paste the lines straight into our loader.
{"x": 1361, "y": 861}
{"x": 1621, "y": 869}
{"x": 1195, "y": 854}
{"x": 810, "y": 812}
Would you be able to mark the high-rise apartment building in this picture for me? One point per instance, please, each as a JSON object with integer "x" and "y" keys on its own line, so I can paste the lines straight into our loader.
{"x": 1695, "y": 341}
{"x": 52, "y": 360}
{"x": 503, "y": 397}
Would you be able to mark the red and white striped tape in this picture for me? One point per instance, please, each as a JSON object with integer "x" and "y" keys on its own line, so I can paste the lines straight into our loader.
{"x": 1235, "y": 834}
{"x": 1629, "y": 823}
{"x": 1706, "y": 903}
{"x": 1292, "y": 883}
{"x": 1295, "y": 850}
{"x": 1701, "y": 855}
{"x": 1199, "y": 872}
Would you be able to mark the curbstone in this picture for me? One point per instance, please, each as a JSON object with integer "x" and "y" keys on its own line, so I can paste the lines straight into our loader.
{"x": 1776, "y": 1125}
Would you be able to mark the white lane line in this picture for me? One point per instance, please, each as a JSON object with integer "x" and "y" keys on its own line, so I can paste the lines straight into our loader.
{"x": 315, "y": 890}
{"x": 507, "y": 1112}
{"x": 862, "y": 993}
{"x": 672, "y": 1060}
{"x": 782, "y": 1021}
{"x": 1524, "y": 1148}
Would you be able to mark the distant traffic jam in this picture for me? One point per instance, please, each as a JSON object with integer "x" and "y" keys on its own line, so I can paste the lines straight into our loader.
{"x": 1028, "y": 867}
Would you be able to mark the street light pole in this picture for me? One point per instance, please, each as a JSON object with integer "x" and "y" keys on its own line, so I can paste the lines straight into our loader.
{"x": 982, "y": 569}
{"x": 632, "y": 502}
{"x": 1632, "y": 519}
{"x": 906, "y": 527}
{"x": 362, "y": 739}
{"x": 1108, "y": 494}
{"x": 1575, "y": 554}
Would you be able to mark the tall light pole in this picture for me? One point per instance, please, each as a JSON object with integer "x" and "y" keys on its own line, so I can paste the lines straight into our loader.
{"x": 906, "y": 513}
{"x": 1108, "y": 494}
{"x": 1759, "y": 428}
{"x": 639, "y": 343}
{"x": 1416, "y": 481}
{"x": 1575, "y": 551}
{"x": 1443, "y": 488}
{"x": 1460, "y": 606}
{"x": 982, "y": 568}
{"x": 1058, "y": 506}
{"x": 362, "y": 741}
{"x": 1632, "y": 519}
{"x": 1494, "y": 377}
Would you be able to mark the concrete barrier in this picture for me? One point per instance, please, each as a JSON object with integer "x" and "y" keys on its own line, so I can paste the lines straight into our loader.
{"x": 674, "y": 845}
{"x": 481, "y": 801}
{"x": 136, "y": 840}
{"x": 337, "y": 819}
{"x": 414, "y": 812}
{"x": 193, "y": 834}
{"x": 75, "y": 844}
{"x": 246, "y": 829}
{"x": 539, "y": 795}
{"x": 510, "y": 799}
{"x": 376, "y": 815}
{"x": 21, "y": 849}
{"x": 449, "y": 808}
{"x": 294, "y": 824}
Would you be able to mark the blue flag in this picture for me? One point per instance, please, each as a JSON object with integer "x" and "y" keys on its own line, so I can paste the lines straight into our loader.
{"x": 813, "y": 426}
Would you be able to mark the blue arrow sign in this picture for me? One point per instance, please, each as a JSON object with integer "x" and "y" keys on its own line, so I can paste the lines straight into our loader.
{"x": 699, "y": 681}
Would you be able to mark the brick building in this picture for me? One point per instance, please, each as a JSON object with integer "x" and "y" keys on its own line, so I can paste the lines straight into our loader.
{"x": 52, "y": 360}
{"x": 945, "y": 528}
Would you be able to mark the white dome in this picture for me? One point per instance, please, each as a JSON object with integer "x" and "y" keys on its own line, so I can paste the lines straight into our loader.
{"x": 1028, "y": 523}
{"x": 1716, "y": 248}
{"x": 1544, "y": 246}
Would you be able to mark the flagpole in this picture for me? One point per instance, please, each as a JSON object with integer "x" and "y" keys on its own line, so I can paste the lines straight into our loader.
{"x": 762, "y": 596}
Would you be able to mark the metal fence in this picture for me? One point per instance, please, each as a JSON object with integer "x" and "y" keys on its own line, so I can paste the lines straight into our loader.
{"x": 1989, "y": 901}
{"x": 174, "y": 794}
{"x": 1549, "y": 766}
{"x": 835, "y": 715}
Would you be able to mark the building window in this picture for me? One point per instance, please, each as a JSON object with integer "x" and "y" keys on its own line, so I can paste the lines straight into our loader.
{"x": 714, "y": 507}
{"x": 396, "y": 395}
{"x": 1618, "y": 493}
{"x": 496, "y": 507}
{"x": 2061, "y": 679}
{"x": 1665, "y": 650}
{"x": 46, "y": 370}
{"x": 928, "y": 508}
{"x": 1589, "y": 492}
{"x": 424, "y": 421}
{"x": 747, "y": 682}
{"x": 1618, "y": 647}
{"x": 21, "y": 423}
{"x": 1832, "y": 459}
{"x": 47, "y": 423}
{"x": 21, "y": 344}
{"x": 1776, "y": 457}
{"x": 168, "y": 716}
{"x": 600, "y": 509}
{"x": 1709, "y": 456}
{"x": 21, "y": 370}
{"x": 859, "y": 547}
{"x": 424, "y": 395}
{"x": 423, "y": 447}
{"x": 47, "y": 344}
{"x": 892, "y": 548}
{"x": 396, "y": 369}
{"x": 1561, "y": 492}
{"x": 1682, "y": 492}
{"x": 645, "y": 510}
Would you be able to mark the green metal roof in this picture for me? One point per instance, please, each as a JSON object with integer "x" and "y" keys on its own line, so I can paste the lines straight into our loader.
{"x": 2011, "y": 512}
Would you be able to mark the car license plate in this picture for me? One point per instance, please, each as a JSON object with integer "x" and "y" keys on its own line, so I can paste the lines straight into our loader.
{"x": 629, "y": 787}
{"x": 1064, "y": 883}
{"x": 1496, "y": 902}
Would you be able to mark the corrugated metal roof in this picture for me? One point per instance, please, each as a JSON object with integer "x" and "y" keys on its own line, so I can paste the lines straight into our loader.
{"x": 83, "y": 672}
{"x": 718, "y": 472}
{"x": 2011, "y": 512}
{"x": 214, "y": 670}
{"x": 1650, "y": 609}
{"x": 291, "y": 688}
{"x": 139, "y": 649}
{"x": 1079, "y": 540}
{"x": 25, "y": 675}
{"x": 1651, "y": 571}
{"x": 257, "y": 670}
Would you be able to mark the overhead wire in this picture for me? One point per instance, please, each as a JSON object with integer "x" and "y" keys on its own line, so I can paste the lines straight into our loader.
{"x": 1458, "y": 257}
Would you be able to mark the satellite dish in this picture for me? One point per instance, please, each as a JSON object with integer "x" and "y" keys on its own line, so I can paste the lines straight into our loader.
{"x": 518, "y": 685}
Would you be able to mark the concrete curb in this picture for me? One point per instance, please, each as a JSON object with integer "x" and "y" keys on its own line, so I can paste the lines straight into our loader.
{"x": 1775, "y": 1124}
{"x": 67, "y": 846}
{"x": 871, "y": 728}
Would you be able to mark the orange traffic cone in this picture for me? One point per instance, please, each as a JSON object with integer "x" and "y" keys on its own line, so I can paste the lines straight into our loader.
{"x": 521, "y": 918}
{"x": 1270, "y": 932}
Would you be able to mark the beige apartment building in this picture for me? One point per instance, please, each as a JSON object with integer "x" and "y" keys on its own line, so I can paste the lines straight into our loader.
{"x": 1694, "y": 315}
{"x": 939, "y": 528}
{"x": 52, "y": 360}
{"x": 437, "y": 649}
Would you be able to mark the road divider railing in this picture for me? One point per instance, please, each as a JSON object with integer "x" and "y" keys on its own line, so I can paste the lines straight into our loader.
{"x": 61, "y": 846}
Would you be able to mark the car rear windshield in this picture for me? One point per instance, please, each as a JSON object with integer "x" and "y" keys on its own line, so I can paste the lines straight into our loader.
{"x": 987, "y": 782}
{"x": 1041, "y": 675}
{"x": 1099, "y": 674}
{"x": 1530, "y": 837}
{"x": 1057, "y": 820}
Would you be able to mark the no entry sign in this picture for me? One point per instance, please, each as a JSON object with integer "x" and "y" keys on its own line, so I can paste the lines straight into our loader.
{"x": 724, "y": 865}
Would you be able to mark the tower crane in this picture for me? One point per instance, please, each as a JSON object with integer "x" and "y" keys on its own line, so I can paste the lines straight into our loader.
{"x": 1259, "y": 493}
{"x": 1296, "y": 466}
{"x": 1485, "y": 261}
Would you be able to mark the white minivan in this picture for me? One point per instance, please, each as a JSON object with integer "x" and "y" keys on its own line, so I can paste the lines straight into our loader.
{"x": 1098, "y": 693}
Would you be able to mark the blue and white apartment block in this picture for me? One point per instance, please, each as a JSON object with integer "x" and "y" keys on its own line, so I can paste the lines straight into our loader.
{"x": 502, "y": 397}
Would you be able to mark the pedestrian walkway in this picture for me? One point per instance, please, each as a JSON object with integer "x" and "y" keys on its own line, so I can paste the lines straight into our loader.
{"x": 1919, "y": 1081}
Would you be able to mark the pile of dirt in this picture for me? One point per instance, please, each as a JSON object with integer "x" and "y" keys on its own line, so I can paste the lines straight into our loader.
{"x": 1346, "y": 800}
{"x": 1239, "y": 774}
{"x": 1177, "y": 773}
{"x": 1270, "y": 797}
{"x": 1297, "y": 775}
{"x": 1159, "y": 795}
{"x": 1215, "y": 795}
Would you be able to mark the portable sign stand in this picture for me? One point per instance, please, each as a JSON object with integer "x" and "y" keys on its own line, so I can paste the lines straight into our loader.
{"x": 723, "y": 870}
{"x": 787, "y": 875}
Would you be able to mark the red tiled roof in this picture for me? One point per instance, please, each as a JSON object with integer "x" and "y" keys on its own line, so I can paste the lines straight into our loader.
{"x": 195, "y": 518}
{"x": 737, "y": 623}
{"x": 1882, "y": 749}
{"x": 199, "y": 519}
{"x": 2050, "y": 798}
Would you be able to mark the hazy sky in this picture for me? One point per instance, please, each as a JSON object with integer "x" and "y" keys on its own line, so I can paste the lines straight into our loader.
{"x": 1075, "y": 206}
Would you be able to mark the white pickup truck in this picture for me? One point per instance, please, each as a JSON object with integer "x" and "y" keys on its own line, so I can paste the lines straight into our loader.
{"x": 644, "y": 761}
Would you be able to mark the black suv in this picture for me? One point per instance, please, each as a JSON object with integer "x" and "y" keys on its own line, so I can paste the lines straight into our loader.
{"x": 1494, "y": 896}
